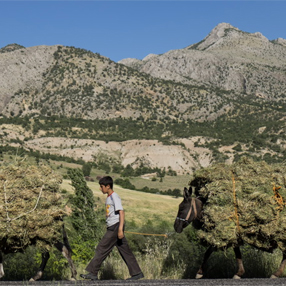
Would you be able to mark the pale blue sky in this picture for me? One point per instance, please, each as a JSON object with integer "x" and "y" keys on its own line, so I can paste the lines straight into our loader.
{"x": 121, "y": 29}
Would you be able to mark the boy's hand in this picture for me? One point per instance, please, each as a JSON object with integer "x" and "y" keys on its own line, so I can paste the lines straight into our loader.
{"x": 120, "y": 234}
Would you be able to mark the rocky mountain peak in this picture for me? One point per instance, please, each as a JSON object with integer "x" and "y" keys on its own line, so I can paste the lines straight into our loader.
{"x": 227, "y": 58}
{"x": 215, "y": 35}
{"x": 219, "y": 31}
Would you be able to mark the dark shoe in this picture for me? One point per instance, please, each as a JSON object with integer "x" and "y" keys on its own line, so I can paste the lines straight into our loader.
{"x": 89, "y": 276}
{"x": 136, "y": 277}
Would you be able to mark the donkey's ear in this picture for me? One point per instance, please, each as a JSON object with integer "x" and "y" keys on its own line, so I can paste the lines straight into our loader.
{"x": 190, "y": 190}
{"x": 186, "y": 193}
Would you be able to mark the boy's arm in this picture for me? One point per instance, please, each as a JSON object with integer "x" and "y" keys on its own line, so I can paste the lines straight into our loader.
{"x": 121, "y": 224}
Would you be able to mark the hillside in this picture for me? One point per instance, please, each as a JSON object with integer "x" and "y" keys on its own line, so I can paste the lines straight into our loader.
{"x": 77, "y": 83}
{"x": 215, "y": 100}
{"x": 227, "y": 58}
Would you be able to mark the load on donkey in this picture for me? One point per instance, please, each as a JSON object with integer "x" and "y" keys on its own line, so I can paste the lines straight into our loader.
{"x": 31, "y": 213}
{"x": 236, "y": 204}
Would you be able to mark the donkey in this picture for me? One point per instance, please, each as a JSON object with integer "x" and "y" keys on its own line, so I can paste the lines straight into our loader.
{"x": 63, "y": 247}
{"x": 190, "y": 211}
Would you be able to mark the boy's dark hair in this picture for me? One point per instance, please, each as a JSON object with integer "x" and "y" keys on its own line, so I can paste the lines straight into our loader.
{"x": 107, "y": 180}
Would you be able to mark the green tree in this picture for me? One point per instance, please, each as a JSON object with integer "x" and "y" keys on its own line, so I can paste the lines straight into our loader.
{"x": 83, "y": 216}
{"x": 128, "y": 171}
{"x": 176, "y": 193}
{"x": 86, "y": 169}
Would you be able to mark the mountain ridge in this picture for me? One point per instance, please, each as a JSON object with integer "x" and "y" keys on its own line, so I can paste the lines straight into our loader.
{"x": 227, "y": 92}
{"x": 226, "y": 58}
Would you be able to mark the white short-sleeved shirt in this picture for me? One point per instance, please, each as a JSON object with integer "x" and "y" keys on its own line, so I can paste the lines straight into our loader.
{"x": 112, "y": 205}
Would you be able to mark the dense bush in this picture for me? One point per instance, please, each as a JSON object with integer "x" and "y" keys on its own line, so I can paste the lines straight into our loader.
{"x": 22, "y": 266}
{"x": 125, "y": 183}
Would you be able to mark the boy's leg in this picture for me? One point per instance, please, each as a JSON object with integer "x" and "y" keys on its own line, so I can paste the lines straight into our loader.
{"x": 128, "y": 256}
{"x": 102, "y": 250}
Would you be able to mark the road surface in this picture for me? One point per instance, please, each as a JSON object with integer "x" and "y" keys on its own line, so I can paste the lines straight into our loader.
{"x": 144, "y": 282}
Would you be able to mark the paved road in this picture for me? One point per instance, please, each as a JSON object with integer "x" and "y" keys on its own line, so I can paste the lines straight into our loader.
{"x": 144, "y": 282}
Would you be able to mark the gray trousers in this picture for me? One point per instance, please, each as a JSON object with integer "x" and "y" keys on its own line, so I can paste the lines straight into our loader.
{"x": 105, "y": 246}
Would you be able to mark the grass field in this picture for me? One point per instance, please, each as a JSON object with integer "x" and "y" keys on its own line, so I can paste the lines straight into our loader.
{"x": 169, "y": 182}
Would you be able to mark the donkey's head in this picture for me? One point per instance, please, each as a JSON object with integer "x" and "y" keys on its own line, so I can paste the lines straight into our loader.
{"x": 189, "y": 210}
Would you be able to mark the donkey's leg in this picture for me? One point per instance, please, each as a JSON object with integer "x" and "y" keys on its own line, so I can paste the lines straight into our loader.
{"x": 240, "y": 270}
{"x": 45, "y": 258}
{"x": 281, "y": 268}
{"x": 208, "y": 253}
{"x": 1, "y": 265}
{"x": 66, "y": 252}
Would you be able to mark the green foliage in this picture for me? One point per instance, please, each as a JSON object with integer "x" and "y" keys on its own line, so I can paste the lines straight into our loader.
{"x": 185, "y": 250}
{"x": 83, "y": 217}
{"x": 19, "y": 266}
{"x": 57, "y": 267}
{"x": 86, "y": 169}
{"x": 83, "y": 251}
{"x": 128, "y": 171}
{"x": 105, "y": 166}
{"x": 22, "y": 266}
{"x": 125, "y": 183}
{"x": 177, "y": 193}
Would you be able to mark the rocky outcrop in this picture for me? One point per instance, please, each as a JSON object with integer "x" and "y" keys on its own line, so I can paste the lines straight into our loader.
{"x": 280, "y": 41}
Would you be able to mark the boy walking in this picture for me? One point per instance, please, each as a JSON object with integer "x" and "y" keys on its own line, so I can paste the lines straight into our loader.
{"x": 114, "y": 236}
